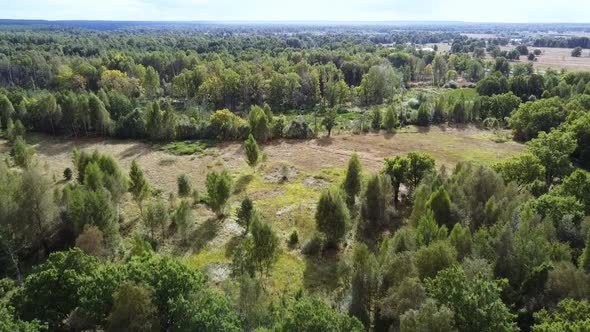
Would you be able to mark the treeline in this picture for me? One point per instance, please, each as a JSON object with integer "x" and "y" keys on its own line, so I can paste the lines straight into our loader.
{"x": 571, "y": 42}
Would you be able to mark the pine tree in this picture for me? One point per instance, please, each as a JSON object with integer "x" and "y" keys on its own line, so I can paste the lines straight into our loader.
{"x": 138, "y": 185}
{"x": 352, "y": 182}
{"x": 252, "y": 151}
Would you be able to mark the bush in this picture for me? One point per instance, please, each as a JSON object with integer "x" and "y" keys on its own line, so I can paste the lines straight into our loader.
{"x": 68, "y": 174}
{"x": 299, "y": 129}
{"x": 313, "y": 246}
{"x": 293, "y": 239}
{"x": 185, "y": 186}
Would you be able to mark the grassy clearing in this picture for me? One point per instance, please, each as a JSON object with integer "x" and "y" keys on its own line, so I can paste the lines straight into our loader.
{"x": 187, "y": 147}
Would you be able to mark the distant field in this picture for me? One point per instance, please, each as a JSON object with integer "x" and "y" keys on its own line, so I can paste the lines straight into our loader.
{"x": 558, "y": 58}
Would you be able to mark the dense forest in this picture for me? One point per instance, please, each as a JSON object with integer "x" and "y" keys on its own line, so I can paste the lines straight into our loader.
{"x": 419, "y": 247}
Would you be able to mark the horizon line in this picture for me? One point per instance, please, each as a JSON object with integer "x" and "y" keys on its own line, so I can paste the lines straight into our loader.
{"x": 249, "y": 21}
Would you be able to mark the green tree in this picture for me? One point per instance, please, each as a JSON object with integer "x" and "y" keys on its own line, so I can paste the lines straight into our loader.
{"x": 391, "y": 121}
{"x": 420, "y": 165}
{"x": 312, "y": 315}
{"x": 22, "y": 153}
{"x": 398, "y": 170}
{"x": 533, "y": 117}
{"x": 523, "y": 169}
{"x": 364, "y": 283}
{"x": 435, "y": 257}
{"x": 430, "y": 317}
{"x": 423, "y": 118}
{"x": 570, "y": 315}
{"x": 265, "y": 246}
{"x": 352, "y": 182}
{"x": 151, "y": 82}
{"x": 577, "y": 52}
{"x": 51, "y": 293}
{"x": 10, "y": 323}
{"x": 156, "y": 216}
{"x": 553, "y": 150}
{"x": 252, "y": 151}
{"x": 460, "y": 238}
{"x": 585, "y": 257}
{"x": 245, "y": 214}
{"x": 476, "y": 302}
{"x": 185, "y": 186}
{"x": 376, "y": 207}
{"x": 138, "y": 185}
{"x": 377, "y": 119}
{"x": 329, "y": 120}
{"x": 205, "y": 311}
{"x": 428, "y": 231}
{"x": 260, "y": 124}
{"x": 440, "y": 203}
{"x": 6, "y": 111}
{"x": 219, "y": 186}
{"x": 133, "y": 310}
{"x": 332, "y": 216}
{"x": 182, "y": 218}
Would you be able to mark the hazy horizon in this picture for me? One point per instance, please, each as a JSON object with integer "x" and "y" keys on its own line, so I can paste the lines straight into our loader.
{"x": 368, "y": 11}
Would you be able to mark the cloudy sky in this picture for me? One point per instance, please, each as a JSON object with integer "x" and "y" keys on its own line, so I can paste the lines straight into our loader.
{"x": 568, "y": 11}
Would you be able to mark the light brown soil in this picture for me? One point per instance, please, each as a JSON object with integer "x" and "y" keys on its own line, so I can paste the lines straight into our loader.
{"x": 447, "y": 145}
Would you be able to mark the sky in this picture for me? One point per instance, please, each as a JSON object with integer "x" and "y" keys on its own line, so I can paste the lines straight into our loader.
{"x": 562, "y": 11}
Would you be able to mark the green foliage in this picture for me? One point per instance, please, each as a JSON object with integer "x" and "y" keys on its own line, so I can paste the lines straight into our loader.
{"x": 553, "y": 150}
{"x": 219, "y": 185}
{"x": 494, "y": 84}
{"x": 156, "y": 216}
{"x": 22, "y": 153}
{"x": 203, "y": 311}
{"x": 377, "y": 119}
{"x": 245, "y": 214}
{"x": 332, "y": 216}
{"x": 420, "y": 165}
{"x": 430, "y": 317}
{"x": 398, "y": 169}
{"x": 133, "y": 309}
{"x": 187, "y": 148}
{"x": 435, "y": 257}
{"x": 428, "y": 231}
{"x": 364, "y": 283}
{"x": 138, "y": 185}
{"x": 460, "y": 238}
{"x": 265, "y": 246}
{"x": 376, "y": 208}
{"x": 182, "y": 218}
{"x": 534, "y": 117}
{"x": 309, "y": 314}
{"x": 252, "y": 151}
{"x": 391, "y": 121}
{"x": 352, "y": 182}
{"x": 423, "y": 118}
{"x": 260, "y": 124}
{"x": 9, "y": 323}
{"x": 85, "y": 207}
{"x": 523, "y": 169}
{"x": 51, "y": 293}
{"x": 185, "y": 186}
{"x": 570, "y": 315}
{"x": 440, "y": 203}
{"x": 475, "y": 301}
{"x": 329, "y": 120}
